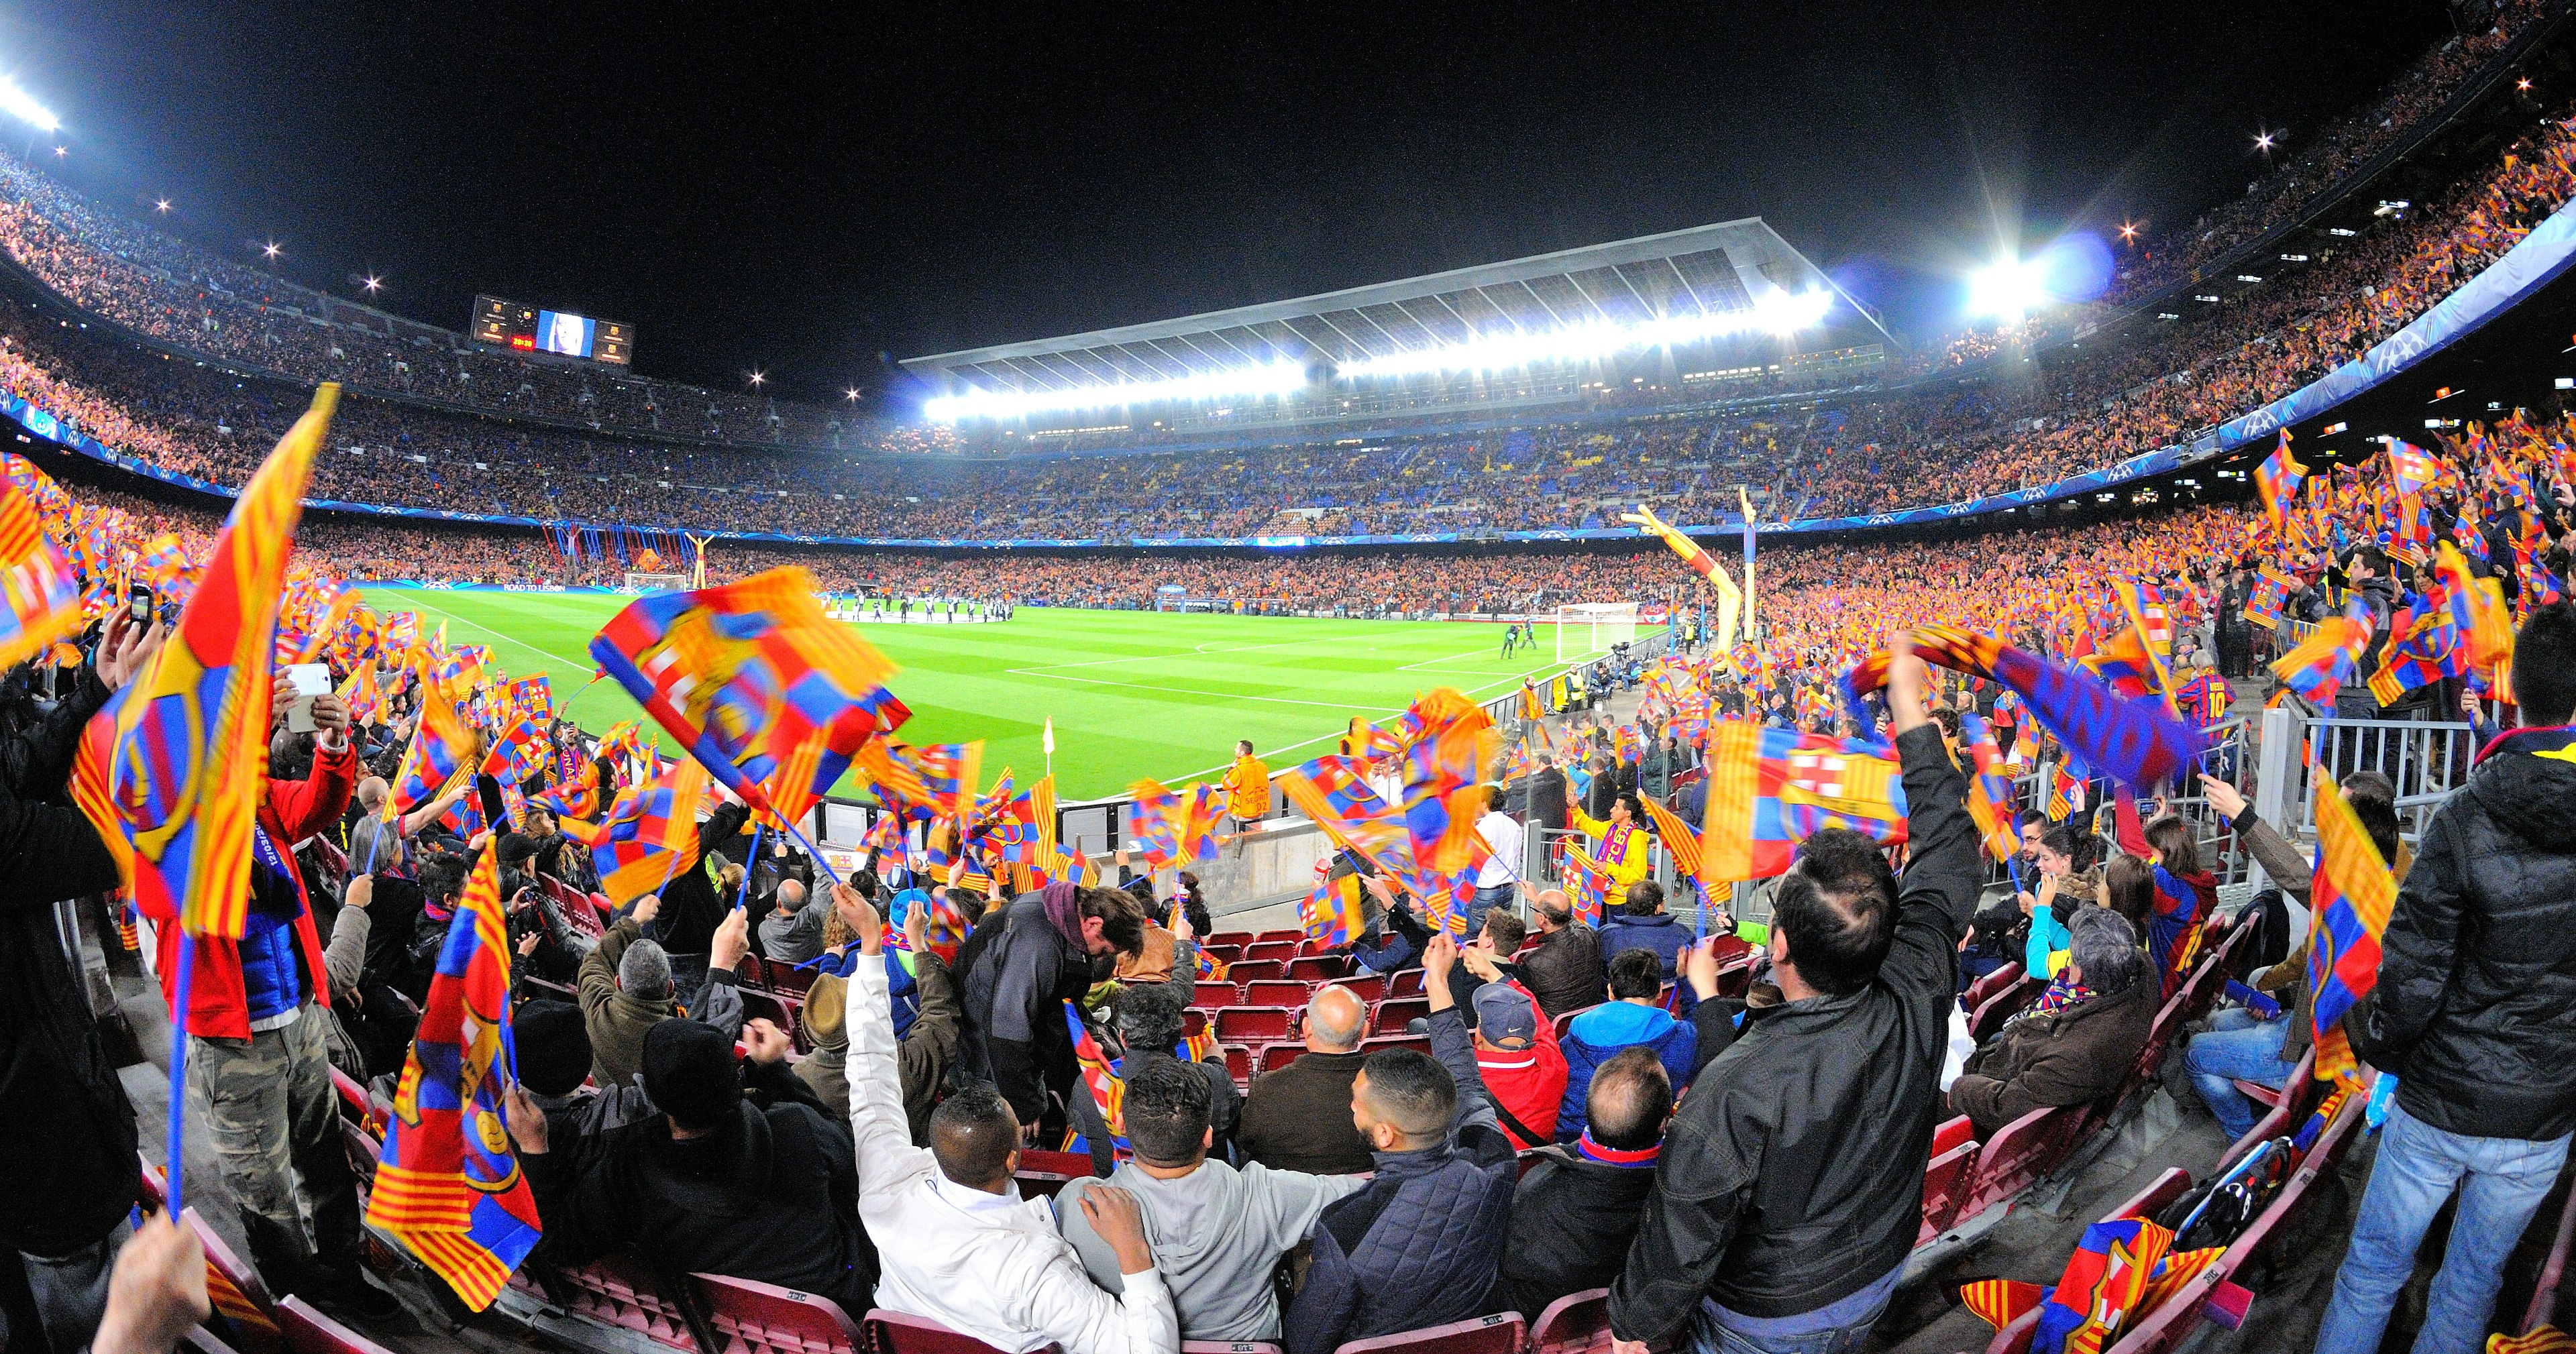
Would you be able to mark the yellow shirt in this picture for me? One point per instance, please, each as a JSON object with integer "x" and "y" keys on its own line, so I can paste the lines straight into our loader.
{"x": 1247, "y": 788}
{"x": 1631, "y": 866}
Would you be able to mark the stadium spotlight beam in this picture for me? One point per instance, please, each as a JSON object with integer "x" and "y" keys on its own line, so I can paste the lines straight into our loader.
{"x": 1254, "y": 381}
{"x": 1777, "y": 312}
{"x": 2009, "y": 289}
{"x": 21, "y": 105}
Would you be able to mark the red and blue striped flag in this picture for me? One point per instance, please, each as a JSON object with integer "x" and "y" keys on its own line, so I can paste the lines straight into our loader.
{"x": 650, "y": 822}
{"x": 2349, "y": 903}
{"x": 2277, "y": 479}
{"x": 1770, "y": 789}
{"x": 754, "y": 682}
{"x": 1334, "y": 793}
{"x": 449, "y": 1185}
{"x": 2326, "y": 659}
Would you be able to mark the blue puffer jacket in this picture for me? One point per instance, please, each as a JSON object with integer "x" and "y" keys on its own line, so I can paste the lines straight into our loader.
{"x": 272, "y": 967}
{"x": 1421, "y": 1244}
{"x": 1660, "y": 933}
{"x": 1597, "y": 1035}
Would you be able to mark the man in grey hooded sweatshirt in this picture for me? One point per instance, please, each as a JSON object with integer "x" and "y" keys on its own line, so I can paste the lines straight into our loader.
{"x": 1217, "y": 1232}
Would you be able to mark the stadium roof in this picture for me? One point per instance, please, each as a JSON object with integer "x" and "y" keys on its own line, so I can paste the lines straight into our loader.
{"x": 1717, "y": 272}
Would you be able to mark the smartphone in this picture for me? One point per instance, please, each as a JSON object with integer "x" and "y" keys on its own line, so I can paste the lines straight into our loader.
{"x": 139, "y": 602}
{"x": 307, "y": 680}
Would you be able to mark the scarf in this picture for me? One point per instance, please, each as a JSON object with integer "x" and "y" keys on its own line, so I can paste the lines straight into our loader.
{"x": 1632, "y": 1159}
{"x": 1064, "y": 908}
{"x": 2060, "y": 995}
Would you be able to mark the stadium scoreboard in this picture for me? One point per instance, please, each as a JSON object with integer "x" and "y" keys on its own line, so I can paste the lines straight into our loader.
{"x": 507, "y": 324}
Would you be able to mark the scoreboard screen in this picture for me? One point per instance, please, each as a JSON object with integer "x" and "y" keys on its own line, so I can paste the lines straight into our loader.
{"x": 507, "y": 324}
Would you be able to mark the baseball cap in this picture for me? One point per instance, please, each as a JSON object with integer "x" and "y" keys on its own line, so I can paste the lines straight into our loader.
{"x": 1504, "y": 1015}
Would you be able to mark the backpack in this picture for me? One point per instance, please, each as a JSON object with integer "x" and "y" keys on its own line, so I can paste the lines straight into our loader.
{"x": 2217, "y": 1212}
{"x": 2269, "y": 915}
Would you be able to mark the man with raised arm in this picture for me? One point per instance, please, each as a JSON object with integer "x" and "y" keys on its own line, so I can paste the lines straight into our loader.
{"x": 1790, "y": 1187}
{"x": 957, "y": 1242}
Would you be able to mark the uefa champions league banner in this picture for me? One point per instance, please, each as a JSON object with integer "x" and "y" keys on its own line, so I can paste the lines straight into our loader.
{"x": 2526, "y": 268}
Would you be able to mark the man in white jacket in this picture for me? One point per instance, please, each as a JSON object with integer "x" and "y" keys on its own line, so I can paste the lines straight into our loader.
{"x": 1216, "y": 1232}
{"x": 958, "y": 1243}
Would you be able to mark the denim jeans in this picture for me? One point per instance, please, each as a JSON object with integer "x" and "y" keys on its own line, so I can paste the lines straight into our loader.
{"x": 1840, "y": 1327}
{"x": 2500, "y": 1182}
{"x": 2237, "y": 1045}
{"x": 1485, "y": 901}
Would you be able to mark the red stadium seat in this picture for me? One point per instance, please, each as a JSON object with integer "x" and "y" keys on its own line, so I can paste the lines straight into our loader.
{"x": 2002, "y": 1006}
{"x": 1392, "y": 1013}
{"x": 245, "y": 1315}
{"x": 1419, "y": 1043}
{"x": 1958, "y": 1131}
{"x": 1945, "y": 1184}
{"x": 1371, "y": 988}
{"x": 2299, "y": 1098}
{"x": 1314, "y": 968}
{"x": 2015, "y": 1337}
{"x": 619, "y": 1291}
{"x": 353, "y": 1097}
{"x": 2019, "y": 1155}
{"x": 761, "y": 1318}
{"x": 1245, "y": 971}
{"x": 895, "y": 1333}
{"x": 1230, "y": 1347}
{"x": 1280, "y": 950}
{"x": 1500, "y": 1334}
{"x": 1285, "y": 992}
{"x": 1235, "y": 939}
{"x": 1194, "y": 1022}
{"x": 199, "y": 1340}
{"x": 1566, "y": 1019}
{"x": 1045, "y": 1173}
{"x": 1253, "y": 1024}
{"x": 759, "y": 1005}
{"x": 1290, "y": 936}
{"x": 1238, "y": 1062}
{"x": 1405, "y": 983}
{"x": 789, "y": 979}
{"x": 1222, "y": 953}
{"x": 1208, "y": 996}
{"x": 310, "y": 1332}
{"x": 1989, "y": 985}
{"x": 1277, "y": 1056}
{"x": 1578, "y": 1323}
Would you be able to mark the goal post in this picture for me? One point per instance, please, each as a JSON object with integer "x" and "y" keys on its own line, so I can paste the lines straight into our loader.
{"x": 1589, "y": 629}
{"x": 644, "y": 582}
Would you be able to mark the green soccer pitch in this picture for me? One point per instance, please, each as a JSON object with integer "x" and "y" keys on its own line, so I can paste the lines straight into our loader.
{"x": 1132, "y": 693}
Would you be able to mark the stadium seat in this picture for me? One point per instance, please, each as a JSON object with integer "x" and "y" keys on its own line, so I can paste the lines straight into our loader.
{"x": 1276, "y": 1056}
{"x": 2213, "y": 1294}
{"x": 1249, "y": 969}
{"x": 1056, "y": 1167}
{"x": 199, "y": 1340}
{"x": 619, "y": 1290}
{"x": 789, "y": 979}
{"x": 1578, "y": 1323}
{"x": 245, "y": 1316}
{"x": 1208, "y": 996}
{"x": 1945, "y": 1186}
{"x": 1290, "y": 936}
{"x": 1405, "y": 983}
{"x": 353, "y": 1097}
{"x": 1566, "y": 1019}
{"x": 1194, "y": 1022}
{"x": 895, "y": 1333}
{"x": 1238, "y": 1062}
{"x": 2543, "y": 1308}
{"x": 363, "y": 1153}
{"x": 762, "y": 1318}
{"x": 1276, "y": 992}
{"x": 1316, "y": 968}
{"x": 1499, "y": 1334}
{"x": 1225, "y": 954}
{"x": 1230, "y": 1347}
{"x": 1234, "y": 940}
{"x": 1419, "y": 1043}
{"x": 2019, "y": 1155}
{"x": 2015, "y": 1337}
{"x": 1989, "y": 985}
{"x": 2002, "y": 1006}
{"x": 2303, "y": 1092}
{"x": 310, "y": 1332}
{"x": 1281, "y": 950}
{"x": 1392, "y": 1013}
{"x": 1253, "y": 1024}
{"x": 1370, "y": 988}
{"x": 760, "y": 1005}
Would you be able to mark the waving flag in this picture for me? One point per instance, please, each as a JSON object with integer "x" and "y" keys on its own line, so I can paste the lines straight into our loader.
{"x": 1991, "y": 800}
{"x": 1446, "y": 740}
{"x": 2478, "y": 605}
{"x": 2428, "y": 646}
{"x": 173, "y": 768}
{"x": 936, "y": 782}
{"x": 449, "y": 1185}
{"x": 518, "y": 753}
{"x": 1587, "y": 885}
{"x": 754, "y": 682}
{"x": 39, "y": 597}
{"x": 1680, "y": 842}
{"x": 1770, "y": 789}
{"x": 2271, "y": 596}
{"x": 443, "y": 746}
{"x": 636, "y": 849}
{"x": 574, "y": 802}
{"x": 1166, "y": 826}
{"x": 2278, "y": 481}
{"x": 1334, "y": 793}
{"x": 1331, "y": 912}
{"x": 362, "y": 694}
{"x": 2065, "y": 789}
{"x": 2326, "y": 660}
{"x": 2349, "y": 903}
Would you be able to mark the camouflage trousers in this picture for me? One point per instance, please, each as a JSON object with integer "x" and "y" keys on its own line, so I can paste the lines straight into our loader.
{"x": 268, "y": 1107}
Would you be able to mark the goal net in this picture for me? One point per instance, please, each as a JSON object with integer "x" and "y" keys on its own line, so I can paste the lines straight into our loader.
{"x": 1589, "y": 629}
{"x": 644, "y": 582}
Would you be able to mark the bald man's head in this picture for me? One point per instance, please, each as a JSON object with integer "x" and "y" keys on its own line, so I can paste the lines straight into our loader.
{"x": 1554, "y": 911}
{"x": 371, "y": 793}
{"x": 1335, "y": 1019}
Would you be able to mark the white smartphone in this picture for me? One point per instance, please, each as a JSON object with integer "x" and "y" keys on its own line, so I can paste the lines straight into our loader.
{"x": 306, "y": 680}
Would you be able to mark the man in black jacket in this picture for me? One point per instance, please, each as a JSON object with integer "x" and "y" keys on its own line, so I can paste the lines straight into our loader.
{"x": 1792, "y": 1185}
{"x": 1577, "y": 1207}
{"x": 60, "y": 1101}
{"x": 695, "y": 902}
{"x": 1564, "y": 973}
{"x": 719, "y": 1185}
{"x": 1547, "y": 795}
{"x": 2474, "y": 1013}
{"x": 1017, "y": 970}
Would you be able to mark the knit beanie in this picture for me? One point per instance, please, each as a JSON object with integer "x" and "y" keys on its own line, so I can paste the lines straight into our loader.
{"x": 689, "y": 1073}
{"x": 554, "y": 1047}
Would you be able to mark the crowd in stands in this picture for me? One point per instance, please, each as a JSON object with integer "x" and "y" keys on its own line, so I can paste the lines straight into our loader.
{"x": 2079, "y": 409}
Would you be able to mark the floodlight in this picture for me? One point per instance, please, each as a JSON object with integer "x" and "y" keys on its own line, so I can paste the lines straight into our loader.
{"x": 1254, "y": 379}
{"x": 19, "y": 104}
{"x": 2008, "y": 289}
{"x": 1774, "y": 312}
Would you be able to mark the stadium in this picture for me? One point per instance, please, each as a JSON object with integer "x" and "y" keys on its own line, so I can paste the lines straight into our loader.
{"x": 1824, "y": 778}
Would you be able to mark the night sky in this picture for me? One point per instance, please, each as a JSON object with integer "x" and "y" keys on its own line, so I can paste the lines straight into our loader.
{"x": 806, "y": 189}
